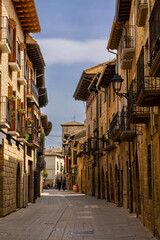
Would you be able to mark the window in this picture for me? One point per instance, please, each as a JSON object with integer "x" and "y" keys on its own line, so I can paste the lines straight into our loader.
{"x": 89, "y": 132}
{"x": 100, "y": 107}
{"x": 57, "y": 166}
{"x": 109, "y": 96}
{"x": 91, "y": 113}
{"x": 114, "y": 95}
{"x": 105, "y": 95}
{"x": 149, "y": 172}
{"x": 88, "y": 172}
{"x": 75, "y": 156}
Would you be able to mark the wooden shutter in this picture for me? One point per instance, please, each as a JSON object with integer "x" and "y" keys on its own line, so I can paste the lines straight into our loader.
{"x": 18, "y": 103}
{"x": 10, "y": 91}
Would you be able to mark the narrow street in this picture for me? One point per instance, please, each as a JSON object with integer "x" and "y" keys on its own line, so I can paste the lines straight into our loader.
{"x": 67, "y": 215}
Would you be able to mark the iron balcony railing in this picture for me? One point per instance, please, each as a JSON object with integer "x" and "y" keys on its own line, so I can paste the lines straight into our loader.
{"x": 18, "y": 122}
{"x": 15, "y": 55}
{"x": 149, "y": 83}
{"x": 124, "y": 119}
{"x": 5, "y": 31}
{"x": 92, "y": 144}
{"x": 32, "y": 89}
{"x": 115, "y": 124}
{"x": 18, "y": 55}
{"x": 24, "y": 70}
{"x": 128, "y": 37}
{"x": 5, "y": 111}
{"x": 132, "y": 106}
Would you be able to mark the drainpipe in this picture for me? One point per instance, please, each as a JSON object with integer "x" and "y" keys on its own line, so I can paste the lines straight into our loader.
{"x": 151, "y": 112}
{"x": 107, "y": 152}
{"x": 130, "y": 171}
{"x": 97, "y": 120}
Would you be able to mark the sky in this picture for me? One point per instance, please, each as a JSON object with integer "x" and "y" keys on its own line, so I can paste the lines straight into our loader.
{"x": 74, "y": 35}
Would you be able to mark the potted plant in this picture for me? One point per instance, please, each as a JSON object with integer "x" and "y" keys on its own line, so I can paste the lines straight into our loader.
{"x": 29, "y": 120}
{"x": 12, "y": 23}
{"x": 29, "y": 64}
{"x": 12, "y": 99}
{"x": 27, "y": 137}
{"x": 22, "y": 46}
{"x": 21, "y": 112}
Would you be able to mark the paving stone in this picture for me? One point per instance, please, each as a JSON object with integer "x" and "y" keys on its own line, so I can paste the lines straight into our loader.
{"x": 56, "y": 215}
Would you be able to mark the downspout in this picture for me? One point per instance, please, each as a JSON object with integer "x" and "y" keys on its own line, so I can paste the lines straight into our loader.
{"x": 97, "y": 120}
{"x": 107, "y": 152}
{"x": 130, "y": 171}
{"x": 151, "y": 112}
{"x": 24, "y": 146}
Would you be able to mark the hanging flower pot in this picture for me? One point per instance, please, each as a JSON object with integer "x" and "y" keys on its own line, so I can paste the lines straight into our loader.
{"x": 12, "y": 23}
{"x": 29, "y": 120}
{"x": 12, "y": 99}
{"x": 29, "y": 64}
{"x": 21, "y": 112}
{"x": 22, "y": 46}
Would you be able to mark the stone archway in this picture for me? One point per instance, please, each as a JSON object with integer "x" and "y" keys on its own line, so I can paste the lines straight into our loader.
{"x": 18, "y": 186}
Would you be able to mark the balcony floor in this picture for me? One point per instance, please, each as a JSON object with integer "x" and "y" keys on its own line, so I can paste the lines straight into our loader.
{"x": 14, "y": 66}
{"x": 4, "y": 47}
{"x": 13, "y": 133}
{"x": 4, "y": 125}
{"x": 149, "y": 98}
{"x": 139, "y": 118}
{"x": 127, "y": 136}
{"x": 128, "y": 53}
{"x": 126, "y": 64}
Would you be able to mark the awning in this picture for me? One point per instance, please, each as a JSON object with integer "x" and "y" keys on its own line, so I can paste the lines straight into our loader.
{"x": 81, "y": 92}
{"x": 26, "y": 11}
{"x": 107, "y": 74}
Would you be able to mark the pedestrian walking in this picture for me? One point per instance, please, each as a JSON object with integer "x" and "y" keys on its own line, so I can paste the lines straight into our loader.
{"x": 59, "y": 185}
{"x": 63, "y": 185}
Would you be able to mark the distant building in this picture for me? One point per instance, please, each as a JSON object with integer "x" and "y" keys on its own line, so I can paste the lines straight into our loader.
{"x": 69, "y": 127}
{"x": 54, "y": 164}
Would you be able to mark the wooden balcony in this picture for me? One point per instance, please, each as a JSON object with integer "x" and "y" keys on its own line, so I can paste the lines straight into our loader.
{"x": 127, "y": 47}
{"x": 142, "y": 11}
{"x": 33, "y": 136}
{"x": 115, "y": 130}
{"x": 15, "y": 123}
{"x": 32, "y": 91}
{"x": 22, "y": 76}
{"x": 41, "y": 144}
{"x": 15, "y": 58}
{"x": 127, "y": 134}
{"x": 149, "y": 92}
{"x": 5, "y": 113}
{"x": 154, "y": 28}
{"x": 5, "y": 36}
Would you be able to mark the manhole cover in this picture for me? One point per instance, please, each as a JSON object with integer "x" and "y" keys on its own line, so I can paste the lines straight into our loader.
{"x": 59, "y": 229}
{"x": 80, "y": 233}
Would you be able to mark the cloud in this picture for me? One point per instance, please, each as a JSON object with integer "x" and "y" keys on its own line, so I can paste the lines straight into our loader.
{"x": 63, "y": 51}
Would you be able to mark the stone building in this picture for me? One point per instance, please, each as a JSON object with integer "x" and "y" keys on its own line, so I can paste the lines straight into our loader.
{"x": 126, "y": 131}
{"x": 54, "y": 165}
{"x": 22, "y": 94}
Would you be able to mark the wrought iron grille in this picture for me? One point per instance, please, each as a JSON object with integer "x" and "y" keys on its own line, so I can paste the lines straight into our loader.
{"x": 5, "y": 110}
{"x": 115, "y": 124}
{"x": 5, "y": 31}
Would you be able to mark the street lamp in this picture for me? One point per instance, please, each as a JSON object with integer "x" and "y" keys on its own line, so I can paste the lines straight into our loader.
{"x": 117, "y": 84}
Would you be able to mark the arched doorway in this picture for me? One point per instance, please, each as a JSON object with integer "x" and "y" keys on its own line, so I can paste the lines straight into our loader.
{"x": 111, "y": 184}
{"x": 18, "y": 186}
{"x": 116, "y": 184}
{"x": 103, "y": 185}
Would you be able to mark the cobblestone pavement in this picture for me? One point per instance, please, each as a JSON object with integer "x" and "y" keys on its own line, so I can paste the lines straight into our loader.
{"x": 66, "y": 215}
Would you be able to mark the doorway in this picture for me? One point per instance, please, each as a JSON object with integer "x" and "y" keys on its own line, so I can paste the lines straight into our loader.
{"x": 18, "y": 186}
